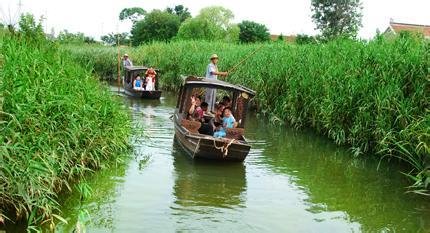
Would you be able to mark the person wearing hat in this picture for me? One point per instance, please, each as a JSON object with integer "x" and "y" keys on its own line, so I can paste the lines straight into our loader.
{"x": 212, "y": 73}
{"x": 126, "y": 61}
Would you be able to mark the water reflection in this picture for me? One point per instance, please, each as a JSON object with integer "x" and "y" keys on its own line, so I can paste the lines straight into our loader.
{"x": 106, "y": 186}
{"x": 334, "y": 181}
{"x": 202, "y": 183}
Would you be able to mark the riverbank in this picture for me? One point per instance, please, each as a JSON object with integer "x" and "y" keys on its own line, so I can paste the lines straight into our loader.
{"x": 372, "y": 96}
{"x": 57, "y": 123}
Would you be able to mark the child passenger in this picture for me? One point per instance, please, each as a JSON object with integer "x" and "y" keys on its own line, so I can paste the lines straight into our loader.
{"x": 228, "y": 121}
{"x": 150, "y": 79}
{"x": 138, "y": 84}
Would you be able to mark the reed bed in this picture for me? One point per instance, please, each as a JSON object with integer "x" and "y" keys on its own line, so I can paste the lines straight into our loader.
{"x": 56, "y": 124}
{"x": 370, "y": 95}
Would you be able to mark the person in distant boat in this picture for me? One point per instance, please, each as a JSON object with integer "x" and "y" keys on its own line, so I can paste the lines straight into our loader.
{"x": 150, "y": 79}
{"x": 126, "y": 61}
{"x": 138, "y": 83}
{"x": 212, "y": 73}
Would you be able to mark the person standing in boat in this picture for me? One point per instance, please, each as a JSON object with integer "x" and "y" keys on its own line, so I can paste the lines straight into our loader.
{"x": 126, "y": 61}
{"x": 212, "y": 73}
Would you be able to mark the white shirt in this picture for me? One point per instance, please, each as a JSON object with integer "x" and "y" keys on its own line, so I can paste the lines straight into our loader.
{"x": 210, "y": 70}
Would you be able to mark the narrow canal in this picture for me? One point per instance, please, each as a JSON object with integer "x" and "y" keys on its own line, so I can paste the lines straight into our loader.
{"x": 291, "y": 182}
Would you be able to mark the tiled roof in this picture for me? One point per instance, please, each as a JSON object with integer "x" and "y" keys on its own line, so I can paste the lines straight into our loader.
{"x": 398, "y": 27}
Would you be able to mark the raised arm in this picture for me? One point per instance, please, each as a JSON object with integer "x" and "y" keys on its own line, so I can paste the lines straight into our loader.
{"x": 193, "y": 105}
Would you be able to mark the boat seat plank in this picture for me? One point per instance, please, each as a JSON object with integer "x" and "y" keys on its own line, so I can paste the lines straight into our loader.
{"x": 235, "y": 133}
{"x": 192, "y": 126}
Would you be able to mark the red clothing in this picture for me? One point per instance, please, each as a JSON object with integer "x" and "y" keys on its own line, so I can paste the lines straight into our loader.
{"x": 198, "y": 112}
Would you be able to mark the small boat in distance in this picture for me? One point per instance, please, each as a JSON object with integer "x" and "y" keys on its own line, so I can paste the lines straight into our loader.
{"x": 130, "y": 72}
{"x": 234, "y": 147}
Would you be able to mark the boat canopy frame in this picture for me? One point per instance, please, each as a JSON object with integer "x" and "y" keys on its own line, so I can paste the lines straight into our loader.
{"x": 240, "y": 98}
{"x": 131, "y": 71}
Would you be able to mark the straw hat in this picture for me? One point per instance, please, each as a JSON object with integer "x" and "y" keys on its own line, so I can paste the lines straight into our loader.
{"x": 214, "y": 56}
{"x": 125, "y": 55}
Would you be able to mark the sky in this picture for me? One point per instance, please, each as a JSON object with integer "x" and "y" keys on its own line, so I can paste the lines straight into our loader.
{"x": 288, "y": 17}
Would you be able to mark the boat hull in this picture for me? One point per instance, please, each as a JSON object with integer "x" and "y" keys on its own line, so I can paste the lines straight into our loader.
{"x": 199, "y": 146}
{"x": 143, "y": 94}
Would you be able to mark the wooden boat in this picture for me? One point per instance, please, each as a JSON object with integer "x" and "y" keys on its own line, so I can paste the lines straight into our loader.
{"x": 234, "y": 147}
{"x": 130, "y": 72}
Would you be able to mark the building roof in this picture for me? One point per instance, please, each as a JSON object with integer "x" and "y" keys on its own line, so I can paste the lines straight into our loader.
{"x": 398, "y": 27}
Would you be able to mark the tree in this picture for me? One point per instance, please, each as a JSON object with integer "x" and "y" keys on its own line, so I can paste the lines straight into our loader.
{"x": 212, "y": 23}
{"x": 134, "y": 14}
{"x": 336, "y": 18}
{"x": 251, "y": 32}
{"x": 281, "y": 38}
{"x": 111, "y": 38}
{"x": 180, "y": 11}
{"x": 156, "y": 26}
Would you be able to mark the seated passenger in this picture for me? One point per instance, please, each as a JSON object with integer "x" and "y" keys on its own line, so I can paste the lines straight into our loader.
{"x": 219, "y": 131}
{"x": 150, "y": 79}
{"x": 138, "y": 83}
{"x": 195, "y": 112}
{"x": 228, "y": 121}
{"x": 226, "y": 101}
{"x": 206, "y": 127}
{"x": 218, "y": 116}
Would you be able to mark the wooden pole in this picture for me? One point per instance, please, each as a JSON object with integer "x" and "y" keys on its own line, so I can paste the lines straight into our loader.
{"x": 119, "y": 64}
{"x": 244, "y": 59}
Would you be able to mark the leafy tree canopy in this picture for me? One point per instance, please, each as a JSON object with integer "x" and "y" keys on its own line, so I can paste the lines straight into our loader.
{"x": 156, "y": 26}
{"x": 212, "y": 23}
{"x": 180, "y": 11}
{"x": 336, "y": 18}
{"x": 134, "y": 14}
{"x": 251, "y": 32}
{"x": 111, "y": 38}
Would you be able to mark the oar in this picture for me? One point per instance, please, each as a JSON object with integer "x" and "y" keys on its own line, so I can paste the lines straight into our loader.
{"x": 244, "y": 59}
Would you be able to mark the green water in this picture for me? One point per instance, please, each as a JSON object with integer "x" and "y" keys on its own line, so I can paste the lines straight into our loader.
{"x": 291, "y": 182}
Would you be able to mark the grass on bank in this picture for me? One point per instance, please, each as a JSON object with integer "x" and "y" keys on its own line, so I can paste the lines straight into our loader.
{"x": 56, "y": 124}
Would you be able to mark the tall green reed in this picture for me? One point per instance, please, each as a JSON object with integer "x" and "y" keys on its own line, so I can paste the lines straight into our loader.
{"x": 372, "y": 96}
{"x": 56, "y": 124}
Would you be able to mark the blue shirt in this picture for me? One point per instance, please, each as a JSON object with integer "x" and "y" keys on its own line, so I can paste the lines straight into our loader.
{"x": 138, "y": 83}
{"x": 228, "y": 122}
